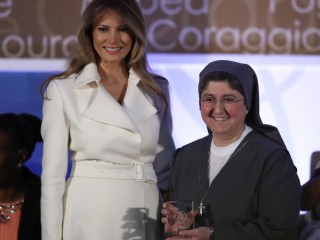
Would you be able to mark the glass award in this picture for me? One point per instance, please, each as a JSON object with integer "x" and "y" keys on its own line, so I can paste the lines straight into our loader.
{"x": 180, "y": 215}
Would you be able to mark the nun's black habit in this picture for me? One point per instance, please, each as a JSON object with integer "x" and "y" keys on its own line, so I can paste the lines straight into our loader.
{"x": 256, "y": 195}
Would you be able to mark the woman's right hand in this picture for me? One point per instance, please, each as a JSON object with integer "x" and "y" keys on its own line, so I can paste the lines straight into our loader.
{"x": 174, "y": 221}
{"x": 164, "y": 218}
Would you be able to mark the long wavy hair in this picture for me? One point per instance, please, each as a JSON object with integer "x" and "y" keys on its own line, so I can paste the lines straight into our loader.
{"x": 84, "y": 53}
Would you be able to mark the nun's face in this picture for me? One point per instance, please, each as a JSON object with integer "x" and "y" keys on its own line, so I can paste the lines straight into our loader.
{"x": 223, "y": 110}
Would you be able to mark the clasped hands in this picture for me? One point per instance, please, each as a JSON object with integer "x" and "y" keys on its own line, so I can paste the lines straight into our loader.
{"x": 180, "y": 224}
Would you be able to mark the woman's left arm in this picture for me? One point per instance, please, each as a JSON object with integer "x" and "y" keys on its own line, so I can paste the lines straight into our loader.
{"x": 278, "y": 201}
{"x": 166, "y": 146}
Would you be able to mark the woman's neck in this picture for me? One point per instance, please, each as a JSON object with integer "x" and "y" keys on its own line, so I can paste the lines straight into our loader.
{"x": 11, "y": 194}
{"x": 221, "y": 140}
{"x": 11, "y": 187}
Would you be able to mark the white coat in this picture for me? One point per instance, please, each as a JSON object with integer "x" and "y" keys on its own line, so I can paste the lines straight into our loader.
{"x": 118, "y": 153}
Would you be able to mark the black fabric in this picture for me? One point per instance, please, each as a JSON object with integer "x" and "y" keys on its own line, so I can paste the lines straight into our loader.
{"x": 30, "y": 225}
{"x": 256, "y": 195}
{"x": 248, "y": 79}
{"x": 316, "y": 173}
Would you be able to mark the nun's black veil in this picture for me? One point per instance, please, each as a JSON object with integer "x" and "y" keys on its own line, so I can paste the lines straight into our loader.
{"x": 248, "y": 79}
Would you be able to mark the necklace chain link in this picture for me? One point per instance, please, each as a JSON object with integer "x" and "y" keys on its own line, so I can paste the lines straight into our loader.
{"x": 9, "y": 209}
{"x": 202, "y": 207}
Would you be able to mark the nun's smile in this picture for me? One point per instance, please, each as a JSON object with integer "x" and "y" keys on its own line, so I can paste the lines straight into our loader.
{"x": 223, "y": 110}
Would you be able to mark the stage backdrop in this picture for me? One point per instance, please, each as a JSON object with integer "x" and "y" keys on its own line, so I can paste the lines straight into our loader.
{"x": 47, "y": 28}
{"x": 279, "y": 38}
{"x": 289, "y": 90}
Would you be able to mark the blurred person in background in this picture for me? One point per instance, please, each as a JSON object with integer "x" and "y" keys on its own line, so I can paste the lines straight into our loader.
{"x": 20, "y": 189}
{"x": 309, "y": 228}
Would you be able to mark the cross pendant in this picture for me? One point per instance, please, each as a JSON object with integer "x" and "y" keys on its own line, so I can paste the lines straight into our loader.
{"x": 201, "y": 208}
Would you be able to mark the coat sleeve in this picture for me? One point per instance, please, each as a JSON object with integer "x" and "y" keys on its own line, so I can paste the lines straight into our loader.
{"x": 55, "y": 133}
{"x": 166, "y": 146}
{"x": 277, "y": 200}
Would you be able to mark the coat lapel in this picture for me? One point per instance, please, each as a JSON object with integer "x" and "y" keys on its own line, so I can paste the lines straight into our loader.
{"x": 105, "y": 109}
{"x": 136, "y": 103}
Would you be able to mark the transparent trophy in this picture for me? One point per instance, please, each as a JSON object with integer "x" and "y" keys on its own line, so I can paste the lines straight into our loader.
{"x": 180, "y": 217}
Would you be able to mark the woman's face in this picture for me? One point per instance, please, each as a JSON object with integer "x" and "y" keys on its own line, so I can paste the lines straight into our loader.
{"x": 9, "y": 158}
{"x": 226, "y": 118}
{"x": 112, "y": 39}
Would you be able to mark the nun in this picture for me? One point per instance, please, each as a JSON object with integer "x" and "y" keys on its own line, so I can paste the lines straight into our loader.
{"x": 240, "y": 177}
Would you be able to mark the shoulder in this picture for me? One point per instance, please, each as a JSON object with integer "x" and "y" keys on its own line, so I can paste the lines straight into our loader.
{"x": 264, "y": 143}
{"x": 195, "y": 146}
{"x": 163, "y": 84}
{"x": 162, "y": 81}
{"x": 188, "y": 157}
{"x": 62, "y": 86}
{"x": 264, "y": 151}
{"x": 63, "y": 82}
{"x": 86, "y": 75}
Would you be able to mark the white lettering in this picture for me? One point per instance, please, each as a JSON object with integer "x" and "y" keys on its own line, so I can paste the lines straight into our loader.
{"x": 84, "y": 4}
{"x": 228, "y": 38}
{"x": 296, "y": 36}
{"x": 201, "y": 10}
{"x": 14, "y": 46}
{"x": 282, "y": 35}
{"x": 16, "y": 41}
{"x": 68, "y": 43}
{"x": 7, "y": 5}
{"x": 301, "y": 7}
{"x": 308, "y": 35}
{"x": 183, "y": 39}
{"x": 153, "y": 31}
{"x": 251, "y": 35}
{"x": 171, "y": 7}
{"x": 54, "y": 40}
{"x": 174, "y": 7}
{"x": 208, "y": 32}
{"x": 30, "y": 47}
{"x": 305, "y": 10}
{"x": 152, "y": 9}
{"x": 272, "y": 6}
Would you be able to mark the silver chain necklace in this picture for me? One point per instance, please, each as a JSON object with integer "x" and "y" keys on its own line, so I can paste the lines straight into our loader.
{"x": 201, "y": 206}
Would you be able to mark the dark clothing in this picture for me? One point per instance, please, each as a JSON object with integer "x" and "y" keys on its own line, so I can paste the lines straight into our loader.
{"x": 255, "y": 196}
{"x": 30, "y": 226}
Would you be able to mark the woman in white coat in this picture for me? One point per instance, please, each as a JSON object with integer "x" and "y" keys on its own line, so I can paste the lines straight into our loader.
{"x": 113, "y": 115}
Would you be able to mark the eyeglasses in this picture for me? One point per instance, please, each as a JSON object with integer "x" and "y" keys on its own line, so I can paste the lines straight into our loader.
{"x": 228, "y": 102}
